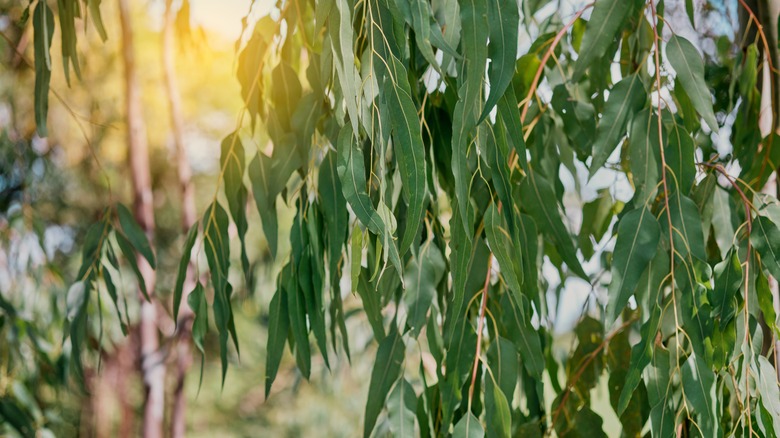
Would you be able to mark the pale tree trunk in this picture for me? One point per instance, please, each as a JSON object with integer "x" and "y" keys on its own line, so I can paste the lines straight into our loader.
{"x": 184, "y": 323}
{"x": 769, "y": 21}
{"x": 773, "y": 10}
{"x": 766, "y": 12}
{"x": 152, "y": 366}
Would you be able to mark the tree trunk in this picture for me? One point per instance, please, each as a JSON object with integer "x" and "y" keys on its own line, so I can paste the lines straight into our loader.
{"x": 767, "y": 12}
{"x": 152, "y": 366}
{"x": 184, "y": 323}
{"x": 769, "y": 22}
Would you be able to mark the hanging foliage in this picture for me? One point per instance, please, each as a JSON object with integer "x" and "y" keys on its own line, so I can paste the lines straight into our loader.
{"x": 429, "y": 163}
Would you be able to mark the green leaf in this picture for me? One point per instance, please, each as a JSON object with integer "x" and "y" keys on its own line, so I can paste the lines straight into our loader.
{"x": 285, "y": 92}
{"x": 372, "y": 305}
{"x": 278, "y": 329}
{"x": 458, "y": 363}
{"x": 77, "y": 303}
{"x": 688, "y": 65}
{"x": 67, "y": 13}
{"x": 77, "y": 298}
{"x": 353, "y": 182}
{"x": 502, "y": 359}
{"x": 625, "y": 98}
{"x": 497, "y": 413}
{"x": 596, "y": 219}
{"x": 722, "y": 222}
{"x": 422, "y": 275}
{"x": 112, "y": 292}
{"x": 184, "y": 264}
{"x": 387, "y": 368}
{"x": 401, "y": 407}
{"x": 528, "y": 239}
{"x": 232, "y": 162}
{"x": 501, "y": 245}
{"x": 578, "y": 116}
{"x": 473, "y": 16}
{"x": 510, "y": 115}
{"x": 637, "y": 241}
{"x": 418, "y": 15}
{"x": 200, "y": 325}
{"x": 97, "y": 18}
{"x": 461, "y": 256}
{"x": 688, "y": 235}
{"x": 410, "y": 153}
{"x": 341, "y": 35}
{"x": 135, "y": 235}
{"x": 334, "y": 211}
{"x": 504, "y": 19}
{"x": 517, "y": 319}
{"x": 644, "y": 150}
{"x": 767, "y": 387}
{"x": 43, "y": 30}
{"x": 468, "y": 427}
{"x": 310, "y": 272}
{"x": 699, "y": 388}
{"x": 766, "y": 240}
{"x": 605, "y": 22}
{"x": 127, "y": 250}
{"x": 269, "y": 176}
{"x": 216, "y": 245}
{"x": 649, "y": 287}
{"x": 764, "y": 294}
{"x": 540, "y": 203}
{"x": 680, "y": 159}
{"x": 15, "y": 416}
{"x": 728, "y": 279}
{"x": 294, "y": 280}
{"x": 497, "y": 155}
{"x": 356, "y": 251}
{"x": 657, "y": 380}
{"x": 304, "y": 123}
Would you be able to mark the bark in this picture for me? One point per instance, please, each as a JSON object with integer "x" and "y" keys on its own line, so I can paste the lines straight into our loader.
{"x": 152, "y": 367}
{"x": 188, "y": 217}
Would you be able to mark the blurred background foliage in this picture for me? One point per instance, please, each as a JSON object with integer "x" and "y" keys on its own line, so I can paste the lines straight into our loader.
{"x": 52, "y": 189}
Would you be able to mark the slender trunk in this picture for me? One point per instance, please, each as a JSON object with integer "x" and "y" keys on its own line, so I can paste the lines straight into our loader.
{"x": 766, "y": 12}
{"x": 152, "y": 367}
{"x": 184, "y": 323}
{"x": 769, "y": 22}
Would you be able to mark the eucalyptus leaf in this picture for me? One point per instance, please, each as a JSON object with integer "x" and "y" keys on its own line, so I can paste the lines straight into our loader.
{"x": 387, "y": 367}
{"x": 688, "y": 65}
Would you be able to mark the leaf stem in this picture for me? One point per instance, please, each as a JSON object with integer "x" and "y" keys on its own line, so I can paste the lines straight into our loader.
{"x": 590, "y": 358}
{"x": 550, "y": 50}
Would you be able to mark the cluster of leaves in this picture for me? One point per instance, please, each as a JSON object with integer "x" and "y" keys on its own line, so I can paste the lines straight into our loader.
{"x": 441, "y": 198}
{"x": 35, "y": 396}
{"x": 116, "y": 229}
{"x": 43, "y": 24}
{"x": 394, "y": 122}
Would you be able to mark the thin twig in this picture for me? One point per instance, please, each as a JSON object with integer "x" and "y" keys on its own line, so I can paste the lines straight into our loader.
{"x": 480, "y": 324}
{"x": 590, "y": 358}
{"x": 550, "y": 50}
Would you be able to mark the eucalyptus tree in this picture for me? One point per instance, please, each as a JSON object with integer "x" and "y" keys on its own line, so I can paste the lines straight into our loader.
{"x": 435, "y": 153}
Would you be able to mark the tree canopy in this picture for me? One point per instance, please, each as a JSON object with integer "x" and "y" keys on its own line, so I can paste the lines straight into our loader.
{"x": 465, "y": 168}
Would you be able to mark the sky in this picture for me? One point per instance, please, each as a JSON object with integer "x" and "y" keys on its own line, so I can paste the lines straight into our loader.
{"x": 224, "y": 16}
